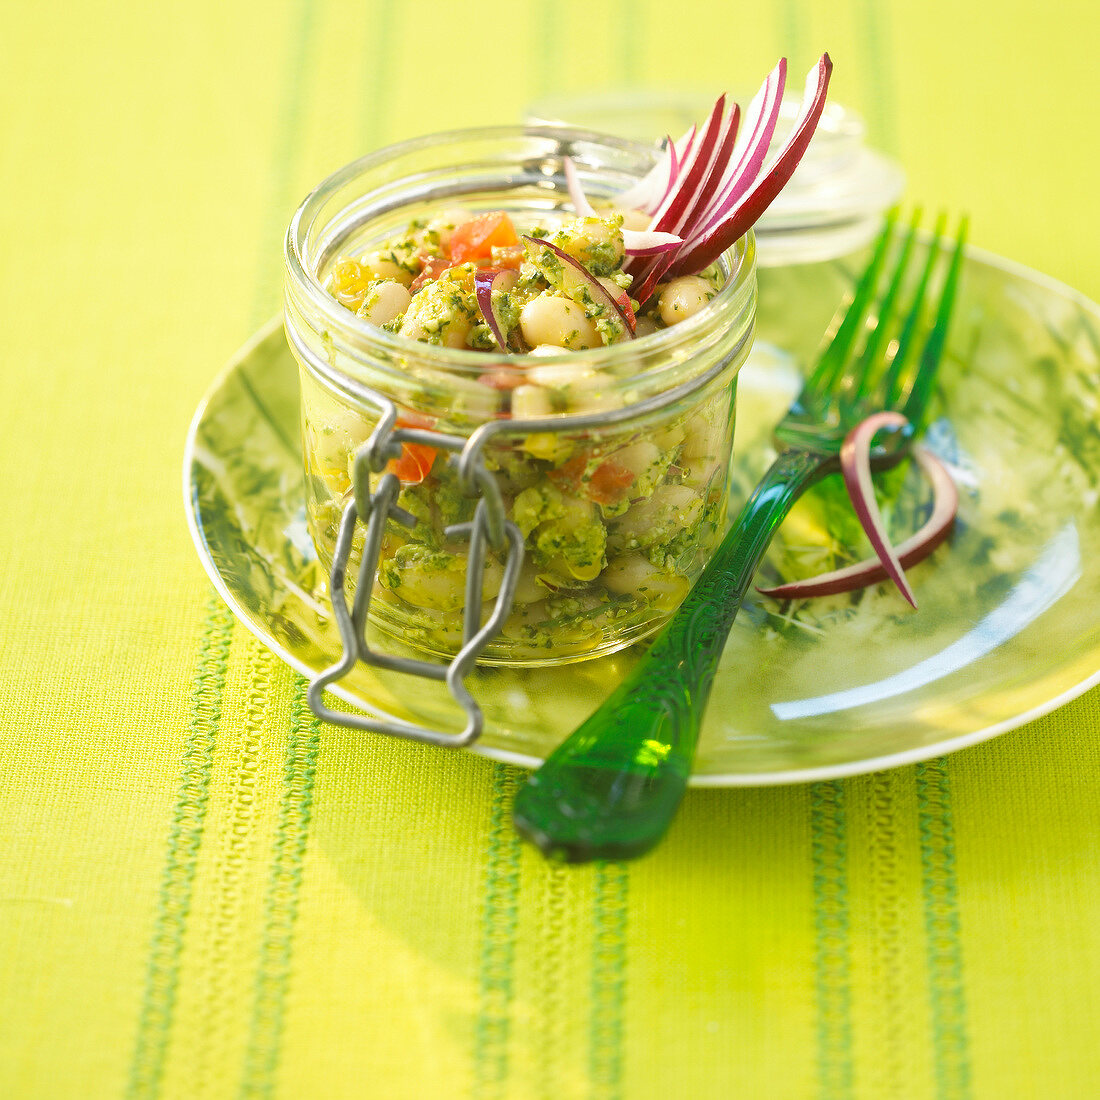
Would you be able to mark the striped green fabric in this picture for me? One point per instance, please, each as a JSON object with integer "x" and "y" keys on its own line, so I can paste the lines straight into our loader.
{"x": 205, "y": 893}
{"x": 184, "y": 839}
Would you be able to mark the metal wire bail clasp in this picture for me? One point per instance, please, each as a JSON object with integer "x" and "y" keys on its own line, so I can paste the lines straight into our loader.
{"x": 374, "y": 510}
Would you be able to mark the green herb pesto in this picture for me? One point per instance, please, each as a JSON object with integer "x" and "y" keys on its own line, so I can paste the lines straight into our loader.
{"x": 507, "y": 307}
{"x": 536, "y": 505}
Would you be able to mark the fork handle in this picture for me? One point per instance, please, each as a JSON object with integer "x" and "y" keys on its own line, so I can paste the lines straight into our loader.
{"x": 611, "y": 789}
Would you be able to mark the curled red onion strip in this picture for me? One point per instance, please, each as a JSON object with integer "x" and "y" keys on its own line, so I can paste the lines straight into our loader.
{"x": 855, "y": 466}
{"x": 718, "y": 172}
{"x": 934, "y": 531}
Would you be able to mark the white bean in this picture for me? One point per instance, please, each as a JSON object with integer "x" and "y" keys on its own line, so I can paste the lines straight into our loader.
{"x": 530, "y": 402}
{"x": 683, "y": 297}
{"x": 576, "y": 514}
{"x": 505, "y": 282}
{"x": 596, "y": 242}
{"x": 698, "y": 472}
{"x": 595, "y": 393}
{"x": 669, "y": 437}
{"x": 566, "y": 573}
{"x": 528, "y": 588}
{"x": 558, "y": 374}
{"x": 525, "y": 619}
{"x": 452, "y": 334}
{"x": 549, "y": 319}
{"x": 382, "y": 267}
{"x": 583, "y": 389}
{"x": 441, "y": 313}
{"x": 573, "y": 541}
{"x": 638, "y": 457}
{"x": 633, "y": 574}
{"x": 441, "y": 589}
{"x": 385, "y": 301}
{"x": 704, "y": 434}
{"x": 669, "y": 509}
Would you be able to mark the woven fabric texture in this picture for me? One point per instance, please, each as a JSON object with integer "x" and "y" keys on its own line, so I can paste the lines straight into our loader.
{"x": 205, "y": 894}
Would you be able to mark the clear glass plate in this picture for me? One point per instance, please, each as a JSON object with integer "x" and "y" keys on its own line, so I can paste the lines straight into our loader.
{"x": 1007, "y": 628}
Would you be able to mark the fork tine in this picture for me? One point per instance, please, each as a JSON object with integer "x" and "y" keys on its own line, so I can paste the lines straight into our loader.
{"x": 825, "y": 373}
{"x": 862, "y": 374}
{"x": 889, "y": 299}
{"x": 916, "y": 403}
{"x": 892, "y": 380}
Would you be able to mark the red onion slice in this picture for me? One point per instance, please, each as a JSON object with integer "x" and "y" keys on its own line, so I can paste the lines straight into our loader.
{"x": 674, "y": 163}
{"x": 576, "y": 193}
{"x": 736, "y": 216}
{"x": 763, "y": 116}
{"x": 855, "y": 465}
{"x": 717, "y": 186}
{"x": 761, "y": 119}
{"x": 636, "y": 242}
{"x": 484, "y": 281}
{"x": 574, "y": 273}
{"x": 694, "y": 169}
{"x": 650, "y": 191}
{"x": 649, "y": 242}
{"x": 651, "y": 276}
{"x": 945, "y": 504}
{"x": 701, "y": 171}
{"x": 717, "y": 170}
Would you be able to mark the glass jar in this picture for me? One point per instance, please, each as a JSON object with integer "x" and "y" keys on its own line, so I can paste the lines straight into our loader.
{"x": 612, "y": 463}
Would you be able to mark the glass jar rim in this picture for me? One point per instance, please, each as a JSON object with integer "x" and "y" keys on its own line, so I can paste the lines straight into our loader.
{"x": 729, "y": 303}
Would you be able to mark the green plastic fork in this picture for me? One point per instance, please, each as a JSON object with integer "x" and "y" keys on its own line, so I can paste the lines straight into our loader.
{"x": 612, "y": 788}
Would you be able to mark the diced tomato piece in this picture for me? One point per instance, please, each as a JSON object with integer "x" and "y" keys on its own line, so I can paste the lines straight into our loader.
{"x": 414, "y": 464}
{"x": 434, "y": 266}
{"x": 476, "y": 239}
{"x": 609, "y": 482}
{"x": 622, "y": 299}
{"x": 568, "y": 475}
{"x": 416, "y": 459}
{"x": 628, "y": 309}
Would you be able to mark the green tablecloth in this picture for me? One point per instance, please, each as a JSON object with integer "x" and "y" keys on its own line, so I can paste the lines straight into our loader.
{"x": 203, "y": 893}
